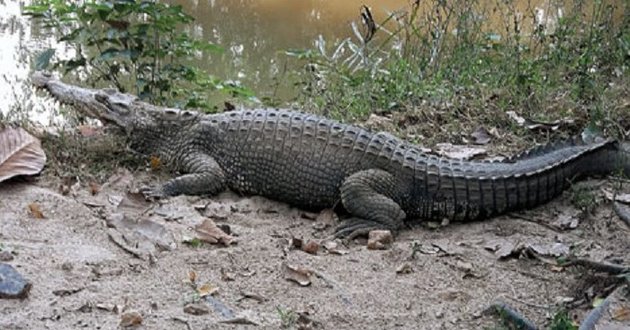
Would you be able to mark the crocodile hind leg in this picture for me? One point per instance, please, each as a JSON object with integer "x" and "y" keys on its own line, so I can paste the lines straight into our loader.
{"x": 370, "y": 196}
{"x": 205, "y": 177}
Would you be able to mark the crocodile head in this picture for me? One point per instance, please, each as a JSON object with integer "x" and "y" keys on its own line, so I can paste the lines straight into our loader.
{"x": 150, "y": 128}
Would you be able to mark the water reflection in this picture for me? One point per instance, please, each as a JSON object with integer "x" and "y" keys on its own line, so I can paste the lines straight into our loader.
{"x": 254, "y": 34}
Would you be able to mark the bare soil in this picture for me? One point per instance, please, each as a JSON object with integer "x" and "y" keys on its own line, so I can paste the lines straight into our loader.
{"x": 82, "y": 279}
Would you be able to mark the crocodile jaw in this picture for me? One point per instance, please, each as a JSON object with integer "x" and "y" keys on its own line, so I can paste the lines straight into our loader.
{"x": 107, "y": 105}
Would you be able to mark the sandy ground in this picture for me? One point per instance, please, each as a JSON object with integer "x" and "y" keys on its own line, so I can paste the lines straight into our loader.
{"x": 81, "y": 278}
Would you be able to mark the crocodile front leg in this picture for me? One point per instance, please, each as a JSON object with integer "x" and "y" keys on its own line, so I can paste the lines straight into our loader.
{"x": 370, "y": 197}
{"x": 205, "y": 177}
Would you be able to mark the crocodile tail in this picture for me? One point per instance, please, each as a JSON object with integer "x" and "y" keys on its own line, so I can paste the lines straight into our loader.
{"x": 479, "y": 190}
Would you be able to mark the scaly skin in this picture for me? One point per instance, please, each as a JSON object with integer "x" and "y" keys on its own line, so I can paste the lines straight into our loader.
{"x": 313, "y": 162}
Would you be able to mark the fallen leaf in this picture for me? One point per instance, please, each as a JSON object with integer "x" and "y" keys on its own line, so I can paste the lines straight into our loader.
{"x": 86, "y": 130}
{"x": 621, "y": 314}
{"x": 404, "y": 269}
{"x": 566, "y": 221}
{"x": 192, "y": 276}
{"x": 226, "y": 275}
{"x": 207, "y": 289}
{"x": 481, "y": 136}
{"x": 210, "y": 233}
{"x": 537, "y": 124}
{"x": 379, "y": 239}
{"x": 155, "y": 162}
{"x": 132, "y": 203}
{"x": 196, "y": 309}
{"x": 327, "y": 217}
{"x": 297, "y": 274}
{"x": 130, "y": 319}
{"x": 333, "y": 248}
{"x": 94, "y": 188}
{"x": 139, "y": 237}
{"x": 311, "y": 247}
{"x": 36, "y": 211}
{"x": 459, "y": 151}
{"x": 622, "y": 198}
{"x": 20, "y": 153}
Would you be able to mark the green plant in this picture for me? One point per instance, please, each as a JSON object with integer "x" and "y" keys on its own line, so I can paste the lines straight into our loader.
{"x": 562, "y": 321}
{"x": 450, "y": 62}
{"x": 138, "y": 46}
{"x": 288, "y": 318}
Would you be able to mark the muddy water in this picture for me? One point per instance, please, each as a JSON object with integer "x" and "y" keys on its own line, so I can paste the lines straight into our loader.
{"x": 254, "y": 34}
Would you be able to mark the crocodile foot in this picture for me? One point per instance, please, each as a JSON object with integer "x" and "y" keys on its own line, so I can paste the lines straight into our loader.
{"x": 356, "y": 227}
{"x": 153, "y": 192}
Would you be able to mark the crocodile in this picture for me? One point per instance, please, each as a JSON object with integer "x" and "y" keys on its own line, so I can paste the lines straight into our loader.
{"x": 314, "y": 163}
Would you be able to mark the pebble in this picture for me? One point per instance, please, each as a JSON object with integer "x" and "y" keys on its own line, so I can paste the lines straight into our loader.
{"x": 12, "y": 284}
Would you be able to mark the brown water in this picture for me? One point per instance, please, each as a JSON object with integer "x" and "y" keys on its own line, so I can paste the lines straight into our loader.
{"x": 254, "y": 33}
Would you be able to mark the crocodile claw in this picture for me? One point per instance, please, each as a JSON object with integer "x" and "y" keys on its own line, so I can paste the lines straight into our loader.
{"x": 153, "y": 192}
{"x": 355, "y": 227}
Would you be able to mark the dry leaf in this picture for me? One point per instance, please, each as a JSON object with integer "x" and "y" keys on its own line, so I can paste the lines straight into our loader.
{"x": 36, "y": 211}
{"x": 459, "y": 151}
{"x": 196, "y": 309}
{"x": 379, "y": 239}
{"x": 94, "y": 188}
{"x": 297, "y": 274}
{"x": 621, "y": 314}
{"x": 130, "y": 319}
{"x": 481, "y": 136}
{"x": 155, "y": 162}
{"x": 20, "y": 153}
{"x": 210, "y": 233}
{"x": 311, "y": 247}
{"x": 192, "y": 276}
{"x": 207, "y": 289}
{"x": 536, "y": 124}
{"x": 404, "y": 269}
{"x": 86, "y": 130}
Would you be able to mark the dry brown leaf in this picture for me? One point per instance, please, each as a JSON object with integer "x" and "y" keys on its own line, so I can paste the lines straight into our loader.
{"x": 86, "y": 130}
{"x": 36, "y": 211}
{"x": 209, "y": 232}
{"x": 311, "y": 247}
{"x": 20, "y": 153}
{"x": 192, "y": 276}
{"x": 379, "y": 239}
{"x": 130, "y": 319}
{"x": 297, "y": 274}
{"x": 196, "y": 309}
{"x": 207, "y": 289}
{"x": 621, "y": 314}
{"x": 327, "y": 217}
{"x": 94, "y": 187}
{"x": 155, "y": 162}
{"x": 459, "y": 151}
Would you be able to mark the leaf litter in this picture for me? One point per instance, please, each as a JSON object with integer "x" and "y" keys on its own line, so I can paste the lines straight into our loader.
{"x": 20, "y": 153}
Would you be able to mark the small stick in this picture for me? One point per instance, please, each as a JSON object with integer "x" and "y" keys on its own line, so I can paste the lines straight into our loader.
{"x": 503, "y": 309}
{"x": 599, "y": 266}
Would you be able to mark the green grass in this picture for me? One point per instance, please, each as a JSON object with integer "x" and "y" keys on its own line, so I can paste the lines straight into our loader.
{"x": 455, "y": 82}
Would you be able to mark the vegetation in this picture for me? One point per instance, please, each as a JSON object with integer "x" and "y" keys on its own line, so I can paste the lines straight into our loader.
{"x": 138, "y": 46}
{"x": 445, "y": 65}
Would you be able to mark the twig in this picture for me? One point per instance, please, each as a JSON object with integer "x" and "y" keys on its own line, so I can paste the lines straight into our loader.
{"x": 593, "y": 317}
{"x": 529, "y": 304}
{"x": 528, "y": 219}
{"x": 623, "y": 212}
{"x": 504, "y": 310}
{"x": 334, "y": 285}
{"x": 599, "y": 266}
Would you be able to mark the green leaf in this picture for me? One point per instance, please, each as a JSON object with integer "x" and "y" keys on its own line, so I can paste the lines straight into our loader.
{"x": 42, "y": 61}
{"x": 109, "y": 53}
